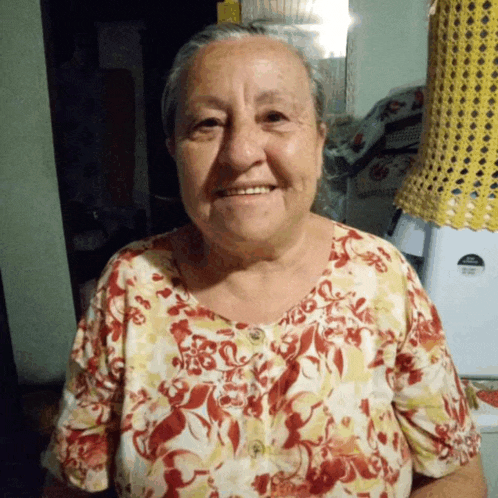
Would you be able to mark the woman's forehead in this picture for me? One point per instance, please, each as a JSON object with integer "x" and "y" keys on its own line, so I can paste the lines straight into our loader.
{"x": 257, "y": 59}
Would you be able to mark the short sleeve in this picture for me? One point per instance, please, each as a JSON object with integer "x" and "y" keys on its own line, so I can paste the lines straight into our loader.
{"x": 82, "y": 447}
{"x": 429, "y": 401}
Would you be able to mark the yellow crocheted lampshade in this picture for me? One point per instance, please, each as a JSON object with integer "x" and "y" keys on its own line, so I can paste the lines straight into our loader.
{"x": 455, "y": 178}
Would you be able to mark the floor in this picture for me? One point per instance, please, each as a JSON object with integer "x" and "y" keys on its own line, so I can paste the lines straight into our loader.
{"x": 23, "y": 438}
{"x": 20, "y": 471}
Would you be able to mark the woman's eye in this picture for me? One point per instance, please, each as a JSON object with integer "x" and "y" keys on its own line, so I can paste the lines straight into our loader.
{"x": 205, "y": 128}
{"x": 208, "y": 123}
{"x": 274, "y": 117}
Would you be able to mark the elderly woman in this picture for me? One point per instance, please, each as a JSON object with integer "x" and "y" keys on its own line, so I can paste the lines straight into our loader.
{"x": 262, "y": 350}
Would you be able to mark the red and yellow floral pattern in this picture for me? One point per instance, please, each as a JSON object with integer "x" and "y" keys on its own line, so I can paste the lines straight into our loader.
{"x": 344, "y": 396}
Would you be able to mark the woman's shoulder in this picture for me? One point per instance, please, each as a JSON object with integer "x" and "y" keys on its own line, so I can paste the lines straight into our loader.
{"x": 343, "y": 234}
{"x": 354, "y": 247}
{"x": 150, "y": 254}
{"x": 160, "y": 243}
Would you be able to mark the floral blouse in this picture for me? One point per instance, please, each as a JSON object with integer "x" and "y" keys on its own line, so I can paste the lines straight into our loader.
{"x": 345, "y": 395}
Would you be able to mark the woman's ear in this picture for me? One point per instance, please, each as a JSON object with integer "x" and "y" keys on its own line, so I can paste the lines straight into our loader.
{"x": 170, "y": 145}
{"x": 322, "y": 136}
{"x": 322, "y": 132}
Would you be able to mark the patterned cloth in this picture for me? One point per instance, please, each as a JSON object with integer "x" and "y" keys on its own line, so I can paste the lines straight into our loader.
{"x": 392, "y": 127}
{"x": 377, "y": 159}
{"x": 343, "y": 396}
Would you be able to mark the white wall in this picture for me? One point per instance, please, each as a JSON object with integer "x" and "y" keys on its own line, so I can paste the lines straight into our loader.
{"x": 32, "y": 251}
{"x": 389, "y": 48}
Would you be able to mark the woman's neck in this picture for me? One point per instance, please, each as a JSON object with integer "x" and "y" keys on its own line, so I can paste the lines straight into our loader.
{"x": 227, "y": 256}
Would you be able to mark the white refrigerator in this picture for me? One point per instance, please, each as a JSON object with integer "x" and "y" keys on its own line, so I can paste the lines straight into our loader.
{"x": 460, "y": 273}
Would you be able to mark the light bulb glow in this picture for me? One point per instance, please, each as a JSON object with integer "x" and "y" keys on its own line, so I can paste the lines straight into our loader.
{"x": 333, "y": 21}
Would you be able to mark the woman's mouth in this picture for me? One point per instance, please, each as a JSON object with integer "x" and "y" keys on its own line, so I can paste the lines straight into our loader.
{"x": 263, "y": 189}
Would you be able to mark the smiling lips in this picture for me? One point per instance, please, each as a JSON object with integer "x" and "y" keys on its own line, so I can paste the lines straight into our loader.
{"x": 266, "y": 189}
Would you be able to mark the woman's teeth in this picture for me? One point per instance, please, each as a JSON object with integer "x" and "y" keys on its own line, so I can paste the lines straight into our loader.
{"x": 246, "y": 191}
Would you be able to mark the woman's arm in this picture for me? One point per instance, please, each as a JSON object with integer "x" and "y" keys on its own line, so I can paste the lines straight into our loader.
{"x": 467, "y": 481}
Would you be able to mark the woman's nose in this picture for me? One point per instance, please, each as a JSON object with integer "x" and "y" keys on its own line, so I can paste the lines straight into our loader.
{"x": 243, "y": 147}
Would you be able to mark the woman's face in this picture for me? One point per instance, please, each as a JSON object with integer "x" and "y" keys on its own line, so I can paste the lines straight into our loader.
{"x": 247, "y": 146}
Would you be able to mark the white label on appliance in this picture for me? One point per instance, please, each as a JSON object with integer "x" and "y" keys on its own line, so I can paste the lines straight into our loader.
{"x": 470, "y": 264}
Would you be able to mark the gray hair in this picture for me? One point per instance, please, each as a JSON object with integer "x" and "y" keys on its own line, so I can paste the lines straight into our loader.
{"x": 229, "y": 31}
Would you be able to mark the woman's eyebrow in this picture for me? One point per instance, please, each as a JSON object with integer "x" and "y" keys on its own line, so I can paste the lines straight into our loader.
{"x": 267, "y": 97}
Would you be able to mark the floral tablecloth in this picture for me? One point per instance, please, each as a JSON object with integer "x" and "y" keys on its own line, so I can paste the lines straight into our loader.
{"x": 483, "y": 400}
